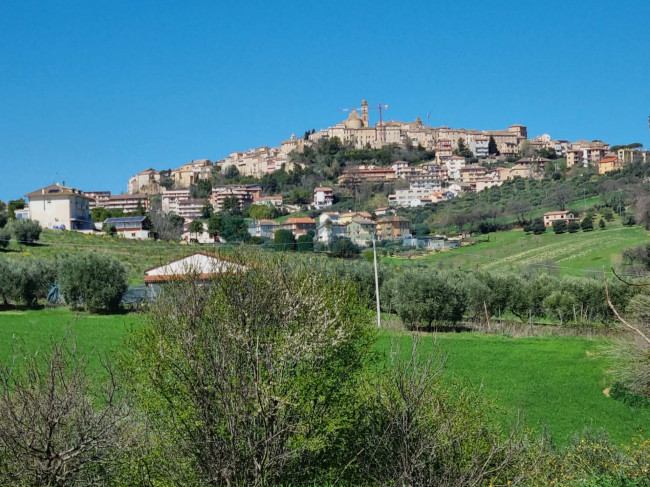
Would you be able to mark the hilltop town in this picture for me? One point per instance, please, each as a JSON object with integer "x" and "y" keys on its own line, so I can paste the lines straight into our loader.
{"x": 353, "y": 175}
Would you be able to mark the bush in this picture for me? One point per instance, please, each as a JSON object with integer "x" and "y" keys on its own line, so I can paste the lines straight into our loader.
{"x": 573, "y": 227}
{"x": 5, "y": 237}
{"x": 587, "y": 224}
{"x": 26, "y": 231}
{"x": 559, "y": 226}
{"x": 25, "y": 281}
{"x": 305, "y": 243}
{"x": 96, "y": 281}
{"x": 283, "y": 240}
{"x": 344, "y": 248}
{"x": 4, "y": 218}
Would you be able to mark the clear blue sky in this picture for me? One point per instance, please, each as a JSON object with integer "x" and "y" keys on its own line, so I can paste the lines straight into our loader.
{"x": 95, "y": 91}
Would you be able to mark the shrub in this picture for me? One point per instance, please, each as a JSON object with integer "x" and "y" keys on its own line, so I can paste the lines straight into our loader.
{"x": 344, "y": 248}
{"x": 4, "y": 218}
{"x": 573, "y": 227}
{"x": 26, "y": 231}
{"x": 305, "y": 243}
{"x": 94, "y": 280}
{"x": 559, "y": 226}
{"x": 283, "y": 240}
{"x": 587, "y": 224}
{"x": 5, "y": 237}
{"x": 25, "y": 281}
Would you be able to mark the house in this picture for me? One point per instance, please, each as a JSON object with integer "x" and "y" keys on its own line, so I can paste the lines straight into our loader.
{"x": 274, "y": 200}
{"x": 332, "y": 216}
{"x": 348, "y": 217}
{"x": 131, "y": 227}
{"x": 393, "y": 227}
{"x": 263, "y": 228}
{"x": 299, "y": 225}
{"x": 608, "y": 164}
{"x": 384, "y": 210}
{"x": 60, "y": 207}
{"x": 329, "y": 231}
{"x": 454, "y": 165}
{"x": 554, "y": 216}
{"x": 361, "y": 231}
{"x": 367, "y": 174}
{"x": 323, "y": 196}
{"x": 204, "y": 266}
{"x": 202, "y": 237}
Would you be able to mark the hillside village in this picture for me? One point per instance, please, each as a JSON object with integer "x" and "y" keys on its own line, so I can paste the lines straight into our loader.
{"x": 352, "y": 177}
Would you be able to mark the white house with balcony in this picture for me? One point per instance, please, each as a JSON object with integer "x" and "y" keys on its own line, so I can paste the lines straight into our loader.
{"x": 60, "y": 207}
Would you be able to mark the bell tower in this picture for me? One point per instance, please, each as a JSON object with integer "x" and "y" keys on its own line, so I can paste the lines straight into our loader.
{"x": 364, "y": 113}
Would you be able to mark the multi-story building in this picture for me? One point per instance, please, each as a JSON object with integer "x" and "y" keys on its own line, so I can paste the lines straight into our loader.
{"x": 245, "y": 194}
{"x": 323, "y": 196}
{"x": 97, "y": 198}
{"x": 274, "y": 200}
{"x": 128, "y": 203}
{"x": 361, "y": 231}
{"x": 329, "y": 231}
{"x": 393, "y": 227}
{"x": 263, "y": 228}
{"x": 367, "y": 174}
{"x": 190, "y": 173}
{"x": 170, "y": 198}
{"x": 299, "y": 225}
{"x": 190, "y": 209}
{"x": 608, "y": 164}
{"x": 470, "y": 173}
{"x": 479, "y": 145}
{"x": 454, "y": 164}
{"x": 60, "y": 207}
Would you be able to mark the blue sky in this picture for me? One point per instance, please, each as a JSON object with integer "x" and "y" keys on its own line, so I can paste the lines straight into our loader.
{"x": 95, "y": 91}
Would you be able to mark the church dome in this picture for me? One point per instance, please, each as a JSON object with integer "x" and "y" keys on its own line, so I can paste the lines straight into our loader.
{"x": 353, "y": 121}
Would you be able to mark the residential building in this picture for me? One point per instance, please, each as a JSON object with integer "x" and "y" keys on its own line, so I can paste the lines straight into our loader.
{"x": 329, "y": 231}
{"x": 274, "y": 200}
{"x": 627, "y": 156}
{"x": 332, "y": 216}
{"x": 393, "y": 227}
{"x": 202, "y": 237}
{"x": 190, "y": 173}
{"x": 263, "y": 228}
{"x": 131, "y": 227}
{"x": 454, "y": 165}
{"x": 470, "y": 173}
{"x": 170, "y": 198}
{"x": 361, "y": 231}
{"x": 348, "y": 217}
{"x": 190, "y": 209}
{"x": 405, "y": 197}
{"x": 245, "y": 194}
{"x": 128, "y": 203}
{"x": 367, "y": 174}
{"x": 323, "y": 196}
{"x": 554, "y": 216}
{"x": 479, "y": 145}
{"x": 97, "y": 198}
{"x": 299, "y": 225}
{"x": 60, "y": 207}
{"x": 608, "y": 164}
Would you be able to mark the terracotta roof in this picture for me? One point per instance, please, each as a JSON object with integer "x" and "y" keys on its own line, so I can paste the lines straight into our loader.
{"x": 322, "y": 188}
{"x": 297, "y": 219}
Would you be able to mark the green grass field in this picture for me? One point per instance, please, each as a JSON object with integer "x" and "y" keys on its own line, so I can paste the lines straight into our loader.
{"x": 554, "y": 381}
{"x": 580, "y": 253}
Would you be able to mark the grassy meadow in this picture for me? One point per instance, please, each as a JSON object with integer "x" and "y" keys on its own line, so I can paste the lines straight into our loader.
{"x": 555, "y": 380}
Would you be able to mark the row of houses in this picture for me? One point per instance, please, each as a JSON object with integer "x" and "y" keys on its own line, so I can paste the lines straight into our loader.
{"x": 357, "y": 226}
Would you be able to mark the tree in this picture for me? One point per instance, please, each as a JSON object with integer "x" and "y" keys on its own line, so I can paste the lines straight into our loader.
{"x": 559, "y": 226}
{"x": 462, "y": 150}
{"x": 344, "y": 248}
{"x": 492, "y": 147}
{"x": 110, "y": 229}
{"x": 258, "y": 373}
{"x": 587, "y": 224}
{"x": 601, "y": 224}
{"x": 195, "y": 228}
{"x": 230, "y": 206}
{"x": 283, "y": 240}
{"x": 234, "y": 229}
{"x": 628, "y": 220}
{"x": 25, "y": 281}
{"x": 57, "y": 426}
{"x": 263, "y": 212}
{"x": 561, "y": 194}
{"x": 167, "y": 226}
{"x": 93, "y": 280}
{"x": 3, "y": 219}
{"x": 26, "y": 231}
{"x": 424, "y": 298}
{"x": 214, "y": 225}
{"x": 305, "y": 243}
{"x": 537, "y": 226}
{"x": 573, "y": 227}
{"x": 14, "y": 205}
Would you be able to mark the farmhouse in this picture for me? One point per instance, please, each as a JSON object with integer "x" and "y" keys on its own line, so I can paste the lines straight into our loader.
{"x": 554, "y": 216}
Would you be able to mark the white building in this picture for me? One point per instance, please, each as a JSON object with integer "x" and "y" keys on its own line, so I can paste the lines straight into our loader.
{"x": 59, "y": 207}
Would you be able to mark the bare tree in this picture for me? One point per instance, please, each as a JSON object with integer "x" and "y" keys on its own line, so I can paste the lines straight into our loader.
{"x": 56, "y": 429}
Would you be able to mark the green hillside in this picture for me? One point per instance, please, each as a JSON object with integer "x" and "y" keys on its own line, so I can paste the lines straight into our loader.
{"x": 579, "y": 253}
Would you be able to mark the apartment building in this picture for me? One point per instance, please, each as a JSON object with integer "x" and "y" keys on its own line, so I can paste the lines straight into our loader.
{"x": 97, "y": 198}
{"x": 60, "y": 207}
{"x": 245, "y": 194}
{"x": 323, "y": 196}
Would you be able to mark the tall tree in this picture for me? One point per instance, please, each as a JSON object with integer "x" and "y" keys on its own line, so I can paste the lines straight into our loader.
{"x": 493, "y": 150}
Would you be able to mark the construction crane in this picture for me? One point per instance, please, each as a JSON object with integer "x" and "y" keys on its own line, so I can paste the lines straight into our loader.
{"x": 380, "y": 107}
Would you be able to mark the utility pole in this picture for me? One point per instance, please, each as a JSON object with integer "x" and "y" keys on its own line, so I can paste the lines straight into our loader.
{"x": 584, "y": 197}
{"x": 374, "y": 252}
